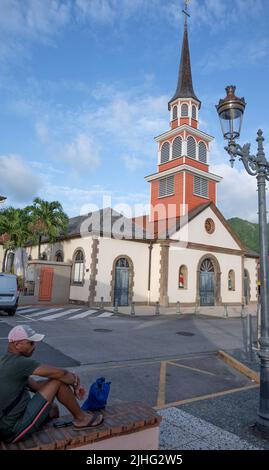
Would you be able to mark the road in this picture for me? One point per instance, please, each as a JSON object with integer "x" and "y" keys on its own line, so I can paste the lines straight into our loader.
{"x": 159, "y": 360}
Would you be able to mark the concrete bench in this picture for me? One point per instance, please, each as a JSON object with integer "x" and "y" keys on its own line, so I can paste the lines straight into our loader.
{"x": 126, "y": 426}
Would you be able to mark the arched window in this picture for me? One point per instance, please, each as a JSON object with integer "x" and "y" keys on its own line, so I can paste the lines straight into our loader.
{"x": 177, "y": 147}
{"x": 165, "y": 152}
{"x": 184, "y": 110}
{"x": 202, "y": 152}
{"x": 191, "y": 147}
{"x": 183, "y": 277}
{"x": 78, "y": 267}
{"x": 59, "y": 257}
{"x": 231, "y": 280}
{"x": 174, "y": 112}
{"x": 193, "y": 112}
{"x": 122, "y": 263}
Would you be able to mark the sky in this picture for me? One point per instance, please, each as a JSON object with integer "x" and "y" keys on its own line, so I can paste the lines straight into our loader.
{"x": 84, "y": 87}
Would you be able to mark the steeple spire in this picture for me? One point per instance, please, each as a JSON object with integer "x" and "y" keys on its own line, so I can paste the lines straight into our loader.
{"x": 184, "y": 84}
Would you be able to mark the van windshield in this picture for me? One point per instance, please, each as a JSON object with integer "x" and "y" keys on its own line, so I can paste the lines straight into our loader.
{"x": 7, "y": 283}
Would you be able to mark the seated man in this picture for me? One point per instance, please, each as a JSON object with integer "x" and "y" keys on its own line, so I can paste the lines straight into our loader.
{"x": 21, "y": 415}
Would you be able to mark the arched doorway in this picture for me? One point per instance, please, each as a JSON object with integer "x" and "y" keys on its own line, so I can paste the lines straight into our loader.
{"x": 121, "y": 291}
{"x": 246, "y": 287}
{"x": 207, "y": 283}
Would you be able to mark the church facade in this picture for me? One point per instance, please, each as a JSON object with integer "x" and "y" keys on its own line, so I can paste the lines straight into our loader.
{"x": 184, "y": 250}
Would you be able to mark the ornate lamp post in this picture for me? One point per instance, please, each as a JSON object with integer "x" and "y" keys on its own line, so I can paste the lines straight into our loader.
{"x": 231, "y": 110}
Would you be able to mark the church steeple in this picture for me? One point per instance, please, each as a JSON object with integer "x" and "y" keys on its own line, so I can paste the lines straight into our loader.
{"x": 184, "y": 84}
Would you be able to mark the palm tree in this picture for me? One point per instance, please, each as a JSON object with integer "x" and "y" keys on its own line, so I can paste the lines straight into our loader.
{"x": 48, "y": 220}
{"x": 14, "y": 230}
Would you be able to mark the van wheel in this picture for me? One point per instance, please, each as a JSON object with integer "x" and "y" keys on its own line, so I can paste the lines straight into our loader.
{"x": 11, "y": 313}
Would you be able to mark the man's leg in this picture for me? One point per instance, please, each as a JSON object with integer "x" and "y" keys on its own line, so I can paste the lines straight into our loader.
{"x": 55, "y": 388}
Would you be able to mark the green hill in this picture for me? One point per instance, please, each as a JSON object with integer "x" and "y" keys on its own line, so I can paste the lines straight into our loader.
{"x": 248, "y": 232}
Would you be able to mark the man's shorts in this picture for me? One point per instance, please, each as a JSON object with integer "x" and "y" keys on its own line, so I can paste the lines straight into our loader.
{"x": 34, "y": 416}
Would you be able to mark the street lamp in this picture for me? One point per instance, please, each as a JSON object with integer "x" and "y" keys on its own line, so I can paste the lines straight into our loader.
{"x": 231, "y": 110}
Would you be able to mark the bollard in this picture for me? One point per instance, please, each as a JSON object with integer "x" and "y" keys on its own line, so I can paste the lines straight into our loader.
{"x": 225, "y": 311}
{"x": 178, "y": 307}
{"x": 116, "y": 307}
{"x": 132, "y": 308}
{"x": 157, "y": 310}
{"x": 101, "y": 306}
{"x": 243, "y": 314}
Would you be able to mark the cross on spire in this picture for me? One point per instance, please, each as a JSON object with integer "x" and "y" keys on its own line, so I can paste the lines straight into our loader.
{"x": 185, "y": 12}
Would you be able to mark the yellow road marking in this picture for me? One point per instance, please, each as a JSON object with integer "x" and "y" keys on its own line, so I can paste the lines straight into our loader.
{"x": 237, "y": 365}
{"x": 205, "y": 397}
{"x": 191, "y": 368}
{"x": 161, "y": 392}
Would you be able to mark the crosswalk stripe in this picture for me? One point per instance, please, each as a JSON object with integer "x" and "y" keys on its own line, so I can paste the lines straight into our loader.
{"x": 82, "y": 315}
{"x": 27, "y": 310}
{"x": 58, "y": 315}
{"x": 42, "y": 312}
{"x": 105, "y": 315}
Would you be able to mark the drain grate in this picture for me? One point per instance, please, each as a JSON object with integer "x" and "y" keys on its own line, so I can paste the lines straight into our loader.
{"x": 102, "y": 330}
{"x": 184, "y": 333}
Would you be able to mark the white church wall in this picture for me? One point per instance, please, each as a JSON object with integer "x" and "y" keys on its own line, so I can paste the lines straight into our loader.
{"x": 195, "y": 232}
{"x": 251, "y": 265}
{"x": 227, "y": 263}
{"x": 178, "y": 257}
{"x": 190, "y": 258}
{"x": 109, "y": 250}
{"x": 79, "y": 293}
{"x": 155, "y": 273}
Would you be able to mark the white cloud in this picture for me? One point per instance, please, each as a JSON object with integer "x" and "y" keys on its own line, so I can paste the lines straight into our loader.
{"x": 82, "y": 154}
{"x": 132, "y": 163}
{"x": 18, "y": 181}
{"x": 237, "y": 192}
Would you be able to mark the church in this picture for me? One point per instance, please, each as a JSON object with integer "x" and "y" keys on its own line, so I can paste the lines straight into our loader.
{"x": 183, "y": 251}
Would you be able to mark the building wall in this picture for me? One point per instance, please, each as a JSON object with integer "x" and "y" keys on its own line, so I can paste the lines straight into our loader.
{"x": 251, "y": 265}
{"x": 68, "y": 247}
{"x": 109, "y": 250}
{"x": 190, "y": 258}
{"x": 195, "y": 232}
{"x": 155, "y": 274}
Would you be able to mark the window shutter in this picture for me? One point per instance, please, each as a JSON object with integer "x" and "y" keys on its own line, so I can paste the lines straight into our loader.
{"x": 193, "y": 112}
{"x": 184, "y": 110}
{"x": 200, "y": 186}
{"x": 202, "y": 152}
{"x": 191, "y": 147}
{"x": 177, "y": 148}
{"x": 165, "y": 151}
{"x": 175, "y": 112}
{"x": 166, "y": 186}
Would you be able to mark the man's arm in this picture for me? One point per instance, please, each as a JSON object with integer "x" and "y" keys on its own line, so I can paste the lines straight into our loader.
{"x": 59, "y": 374}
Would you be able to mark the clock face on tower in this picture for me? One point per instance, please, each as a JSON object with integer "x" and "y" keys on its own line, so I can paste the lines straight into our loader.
{"x": 210, "y": 226}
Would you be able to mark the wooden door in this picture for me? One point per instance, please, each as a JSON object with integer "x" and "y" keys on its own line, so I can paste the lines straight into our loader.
{"x": 45, "y": 285}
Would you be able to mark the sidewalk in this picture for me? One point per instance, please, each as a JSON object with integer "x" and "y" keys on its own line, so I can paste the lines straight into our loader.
{"x": 221, "y": 423}
{"x": 220, "y": 312}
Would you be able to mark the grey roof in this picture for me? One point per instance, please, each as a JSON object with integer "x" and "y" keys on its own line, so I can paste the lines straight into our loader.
{"x": 184, "y": 83}
{"x": 105, "y": 222}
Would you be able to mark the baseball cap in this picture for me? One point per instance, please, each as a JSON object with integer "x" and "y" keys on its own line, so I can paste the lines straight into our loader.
{"x": 20, "y": 332}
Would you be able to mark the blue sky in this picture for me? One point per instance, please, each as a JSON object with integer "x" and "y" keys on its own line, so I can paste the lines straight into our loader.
{"x": 84, "y": 86}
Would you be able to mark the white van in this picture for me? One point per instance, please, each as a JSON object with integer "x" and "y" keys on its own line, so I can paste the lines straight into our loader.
{"x": 9, "y": 293}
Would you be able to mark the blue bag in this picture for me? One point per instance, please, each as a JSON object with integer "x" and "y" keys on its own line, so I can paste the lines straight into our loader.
{"x": 98, "y": 394}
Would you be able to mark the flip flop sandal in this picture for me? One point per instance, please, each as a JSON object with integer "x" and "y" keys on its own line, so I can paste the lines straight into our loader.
{"x": 91, "y": 422}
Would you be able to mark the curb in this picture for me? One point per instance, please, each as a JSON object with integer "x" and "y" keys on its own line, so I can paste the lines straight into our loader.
{"x": 231, "y": 361}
